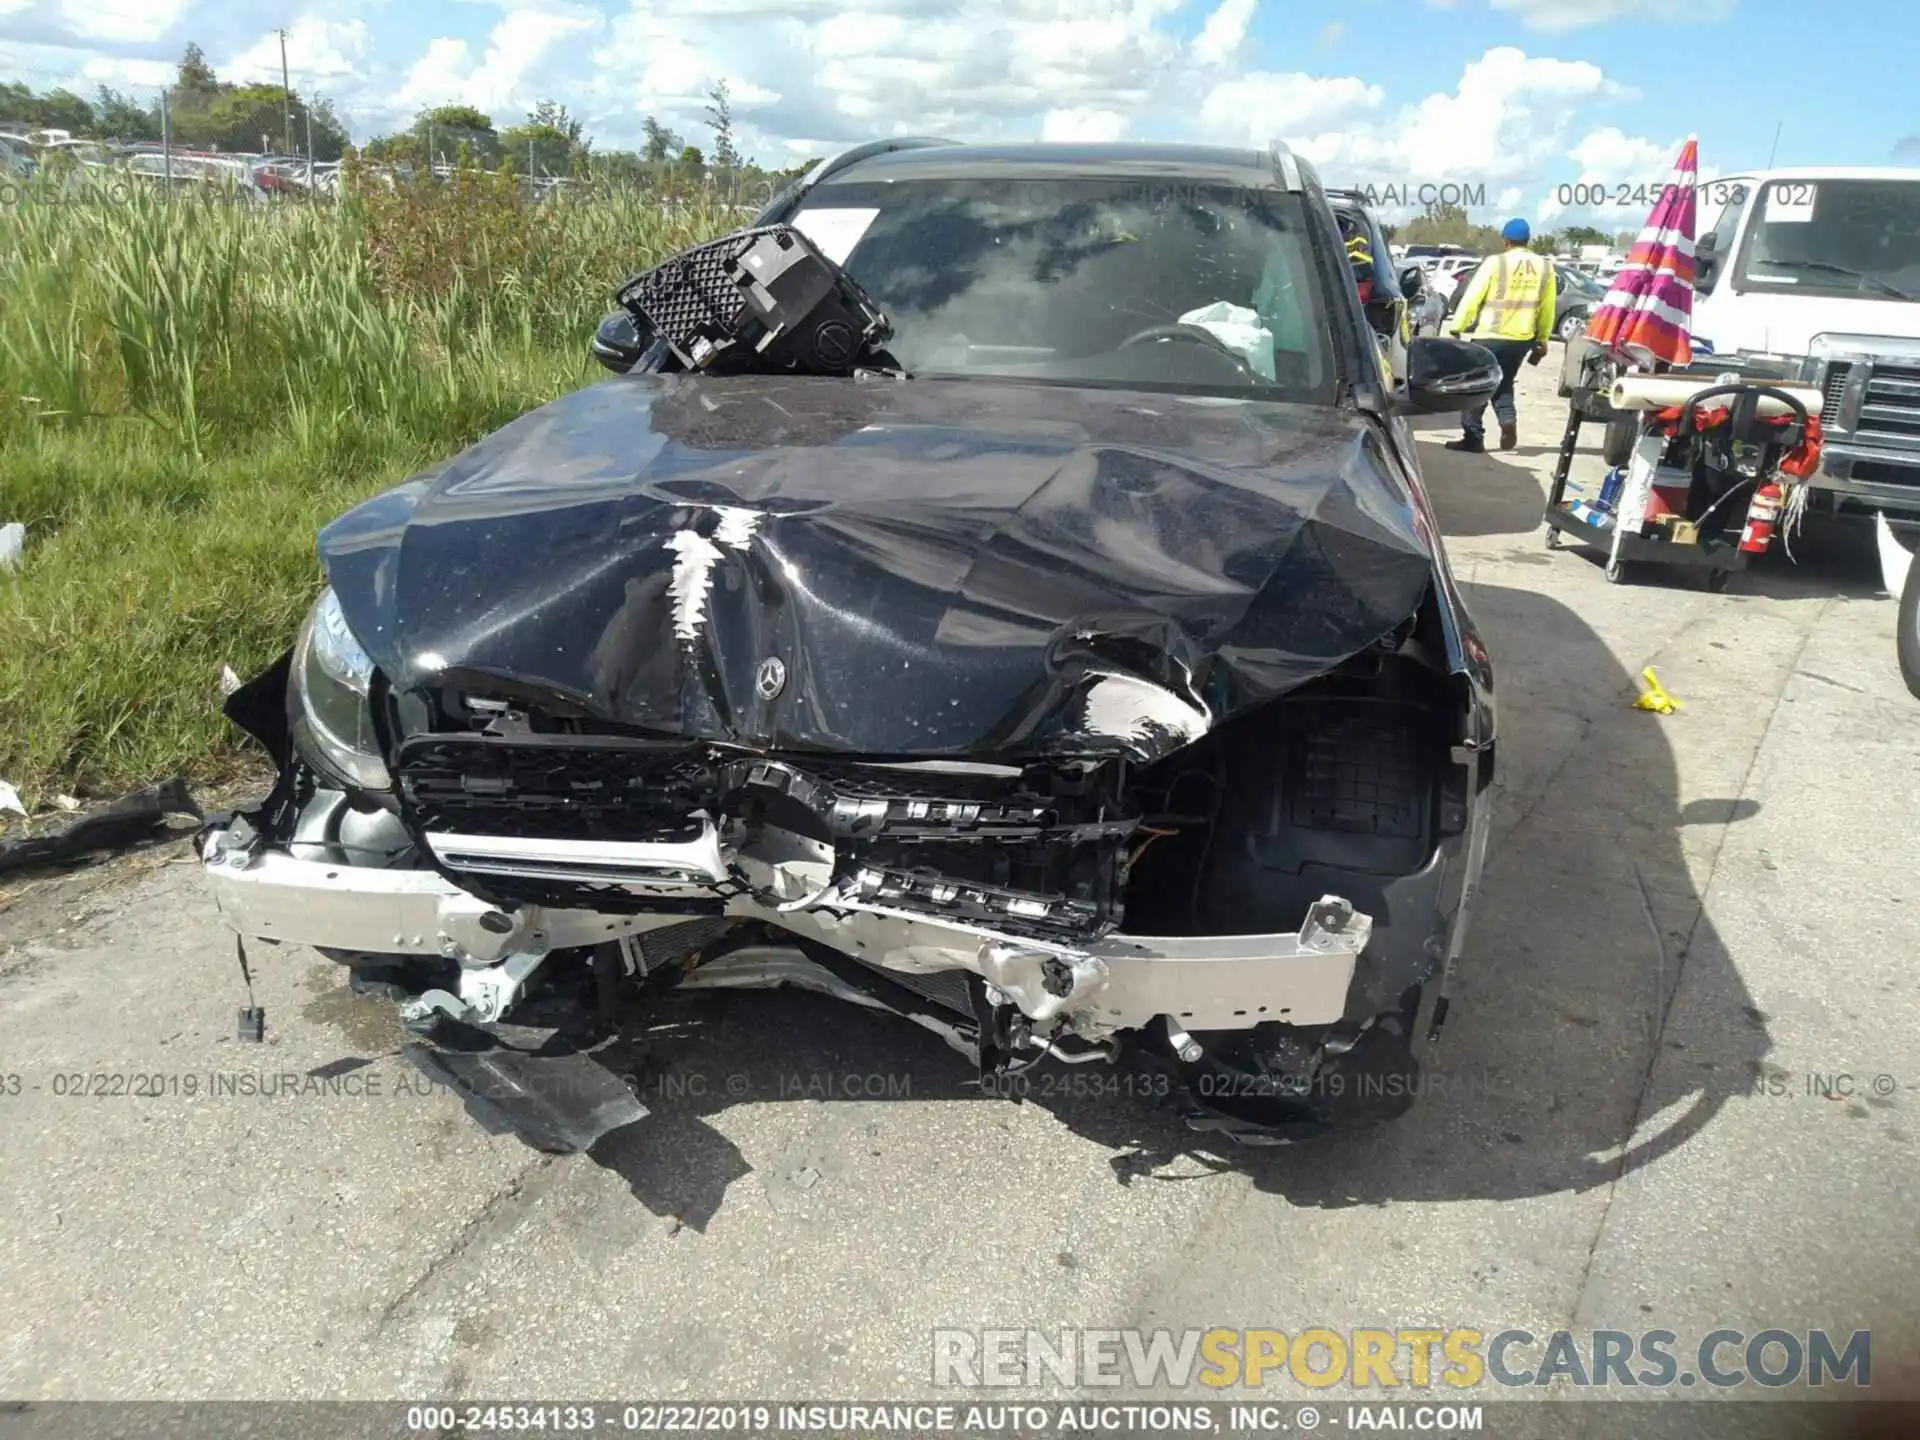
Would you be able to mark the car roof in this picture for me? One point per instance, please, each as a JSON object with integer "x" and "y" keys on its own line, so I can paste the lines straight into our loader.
{"x": 1821, "y": 172}
{"x": 1214, "y": 163}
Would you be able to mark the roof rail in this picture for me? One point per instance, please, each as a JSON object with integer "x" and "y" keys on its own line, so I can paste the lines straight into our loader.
{"x": 833, "y": 164}
{"x": 1285, "y": 164}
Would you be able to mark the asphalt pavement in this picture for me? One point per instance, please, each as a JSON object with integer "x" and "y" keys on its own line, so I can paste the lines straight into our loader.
{"x": 1678, "y": 1088}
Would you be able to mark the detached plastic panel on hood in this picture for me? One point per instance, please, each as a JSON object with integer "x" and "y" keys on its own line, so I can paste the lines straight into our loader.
{"x": 941, "y": 567}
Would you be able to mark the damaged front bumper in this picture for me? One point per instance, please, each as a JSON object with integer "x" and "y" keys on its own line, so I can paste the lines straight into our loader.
{"x": 1092, "y": 990}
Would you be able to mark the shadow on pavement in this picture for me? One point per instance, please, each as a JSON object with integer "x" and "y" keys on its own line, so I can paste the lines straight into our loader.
{"x": 1555, "y": 1072}
{"x": 1476, "y": 495}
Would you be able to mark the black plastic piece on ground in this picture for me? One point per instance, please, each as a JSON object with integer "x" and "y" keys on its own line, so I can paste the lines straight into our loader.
{"x": 253, "y": 1024}
{"x": 561, "y": 1104}
{"x": 125, "y": 822}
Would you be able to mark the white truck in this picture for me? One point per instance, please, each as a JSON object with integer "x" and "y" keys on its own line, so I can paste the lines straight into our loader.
{"x": 1813, "y": 274}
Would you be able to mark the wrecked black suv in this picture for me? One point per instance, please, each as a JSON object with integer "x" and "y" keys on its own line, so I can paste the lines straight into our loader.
{"x": 1017, "y": 609}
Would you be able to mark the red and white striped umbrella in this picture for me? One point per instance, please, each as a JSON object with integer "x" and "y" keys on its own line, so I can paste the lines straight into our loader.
{"x": 1648, "y": 310}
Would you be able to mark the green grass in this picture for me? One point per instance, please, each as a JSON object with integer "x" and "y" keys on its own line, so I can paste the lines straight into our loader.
{"x": 188, "y": 390}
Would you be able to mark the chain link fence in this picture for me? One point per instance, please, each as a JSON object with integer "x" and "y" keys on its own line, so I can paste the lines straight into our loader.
{"x": 257, "y": 144}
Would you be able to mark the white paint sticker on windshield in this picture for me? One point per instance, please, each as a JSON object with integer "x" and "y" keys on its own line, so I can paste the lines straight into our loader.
{"x": 1790, "y": 202}
{"x": 834, "y": 231}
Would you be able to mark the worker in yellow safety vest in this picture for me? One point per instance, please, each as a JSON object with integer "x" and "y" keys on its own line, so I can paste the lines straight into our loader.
{"x": 1509, "y": 309}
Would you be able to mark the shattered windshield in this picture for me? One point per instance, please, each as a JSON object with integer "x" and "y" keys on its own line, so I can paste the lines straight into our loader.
{"x": 1858, "y": 238}
{"x": 1145, "y": 284}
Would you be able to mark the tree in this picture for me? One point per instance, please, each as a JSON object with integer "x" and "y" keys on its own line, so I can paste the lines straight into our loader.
{"x": 241, "y": 115}
{"x": 1449, "y": 225}
{"x": 726, "y": 158}
{"x": 120, "y": 117}
{"x": 554, "y": 117}
{"x": 662, "y": 144}
{"x": 406, "y": 148}
{"x": 442, "y": 129}
{"x": 548, "y": 143}
{"x": 691, "y": 162}
{"x": 195, "y": 75}
{"x": 620, "y": 167}
{"x": 1583, "y": 235}
{"x": 64, "y": 110}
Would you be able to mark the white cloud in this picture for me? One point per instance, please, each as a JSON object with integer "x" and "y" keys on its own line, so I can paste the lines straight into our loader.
{"x": 1626, "y": 170}
{"x": 1561, "y": 15}
{"x": 136, "y": 21}
{"x": 505, "y": 80}
{"x": 1495, "y": 135}
{"x": 1226, "y": 27}
{"x": 328, "y": 50}
{"x": 1083, "y": 124}
{"x": 1257, "y": 108}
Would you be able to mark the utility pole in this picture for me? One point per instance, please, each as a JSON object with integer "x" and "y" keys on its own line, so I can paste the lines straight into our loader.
{"x": 310, "y": 149}
{"x": 286, "y": 90}
{"x": 166, "y": 144}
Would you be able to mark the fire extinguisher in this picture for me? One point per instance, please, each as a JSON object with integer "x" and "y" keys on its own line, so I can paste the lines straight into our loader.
{"x": 1762, "y": 515}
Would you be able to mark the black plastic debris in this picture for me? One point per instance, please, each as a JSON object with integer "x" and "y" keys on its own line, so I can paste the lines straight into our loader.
{"x": 558, "y": 1103}
{"x": 124, "y": 823}
{"x": 763, "y": 297}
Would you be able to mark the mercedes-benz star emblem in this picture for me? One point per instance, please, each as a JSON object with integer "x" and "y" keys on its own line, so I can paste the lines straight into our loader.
{"x": 771, "y": 678}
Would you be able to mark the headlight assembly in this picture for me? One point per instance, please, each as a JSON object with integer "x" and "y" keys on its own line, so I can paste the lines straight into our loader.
{"x": 332, "y": 719}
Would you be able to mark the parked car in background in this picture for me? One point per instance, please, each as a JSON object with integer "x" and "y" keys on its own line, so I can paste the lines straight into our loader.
{"x": 1576, "y": 297}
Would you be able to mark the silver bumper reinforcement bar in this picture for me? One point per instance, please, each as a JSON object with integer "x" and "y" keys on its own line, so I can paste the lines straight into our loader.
{"x": 1214, "y": 982}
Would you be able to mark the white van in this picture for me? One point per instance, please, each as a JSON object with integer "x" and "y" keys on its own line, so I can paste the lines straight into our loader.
{"x": 1814, "y": 274}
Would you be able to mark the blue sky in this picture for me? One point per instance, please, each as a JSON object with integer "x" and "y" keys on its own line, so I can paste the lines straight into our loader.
{"x": 1515, "y": 98}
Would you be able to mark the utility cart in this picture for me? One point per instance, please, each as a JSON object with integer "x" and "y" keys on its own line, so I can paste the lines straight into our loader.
{"x": 1695, "y": 475}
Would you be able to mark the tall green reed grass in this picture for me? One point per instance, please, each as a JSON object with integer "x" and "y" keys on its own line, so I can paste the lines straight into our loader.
{"x": 189, "y": 387}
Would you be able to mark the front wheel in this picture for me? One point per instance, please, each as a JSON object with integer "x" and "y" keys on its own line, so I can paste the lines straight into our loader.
{"x": 1908, "y": 628}
{"x": 1572, "y": 326}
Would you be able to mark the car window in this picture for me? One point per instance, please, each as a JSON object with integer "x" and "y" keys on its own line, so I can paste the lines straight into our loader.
{"x": 1835, "y": 237}
{"x": 1074, "y": 279}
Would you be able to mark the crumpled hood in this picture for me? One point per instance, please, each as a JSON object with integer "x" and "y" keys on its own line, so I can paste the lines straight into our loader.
{"x": 918, "y": 568}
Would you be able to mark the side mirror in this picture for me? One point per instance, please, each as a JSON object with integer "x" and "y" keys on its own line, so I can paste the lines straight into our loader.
{"x": 1446, "y": 375}
{"x": 1413, "y": 282}
{"x": 1706, "y": 260}
{"x": 620, "y": 342}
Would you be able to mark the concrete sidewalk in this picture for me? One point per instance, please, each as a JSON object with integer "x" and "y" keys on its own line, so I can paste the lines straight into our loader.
{"x": 1685, "y": 918}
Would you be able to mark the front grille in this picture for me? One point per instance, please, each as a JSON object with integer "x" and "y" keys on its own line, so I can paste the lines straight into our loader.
{"x": 477, "y": 786}
{"x": 1883, "y": 472}
{"x": 1836, "y": 391}
{"x": 1890, "y": 404}
{"x": 620, "y": 825}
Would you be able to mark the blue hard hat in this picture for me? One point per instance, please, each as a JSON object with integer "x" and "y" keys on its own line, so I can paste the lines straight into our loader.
{"x": 1516, "y": 232}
